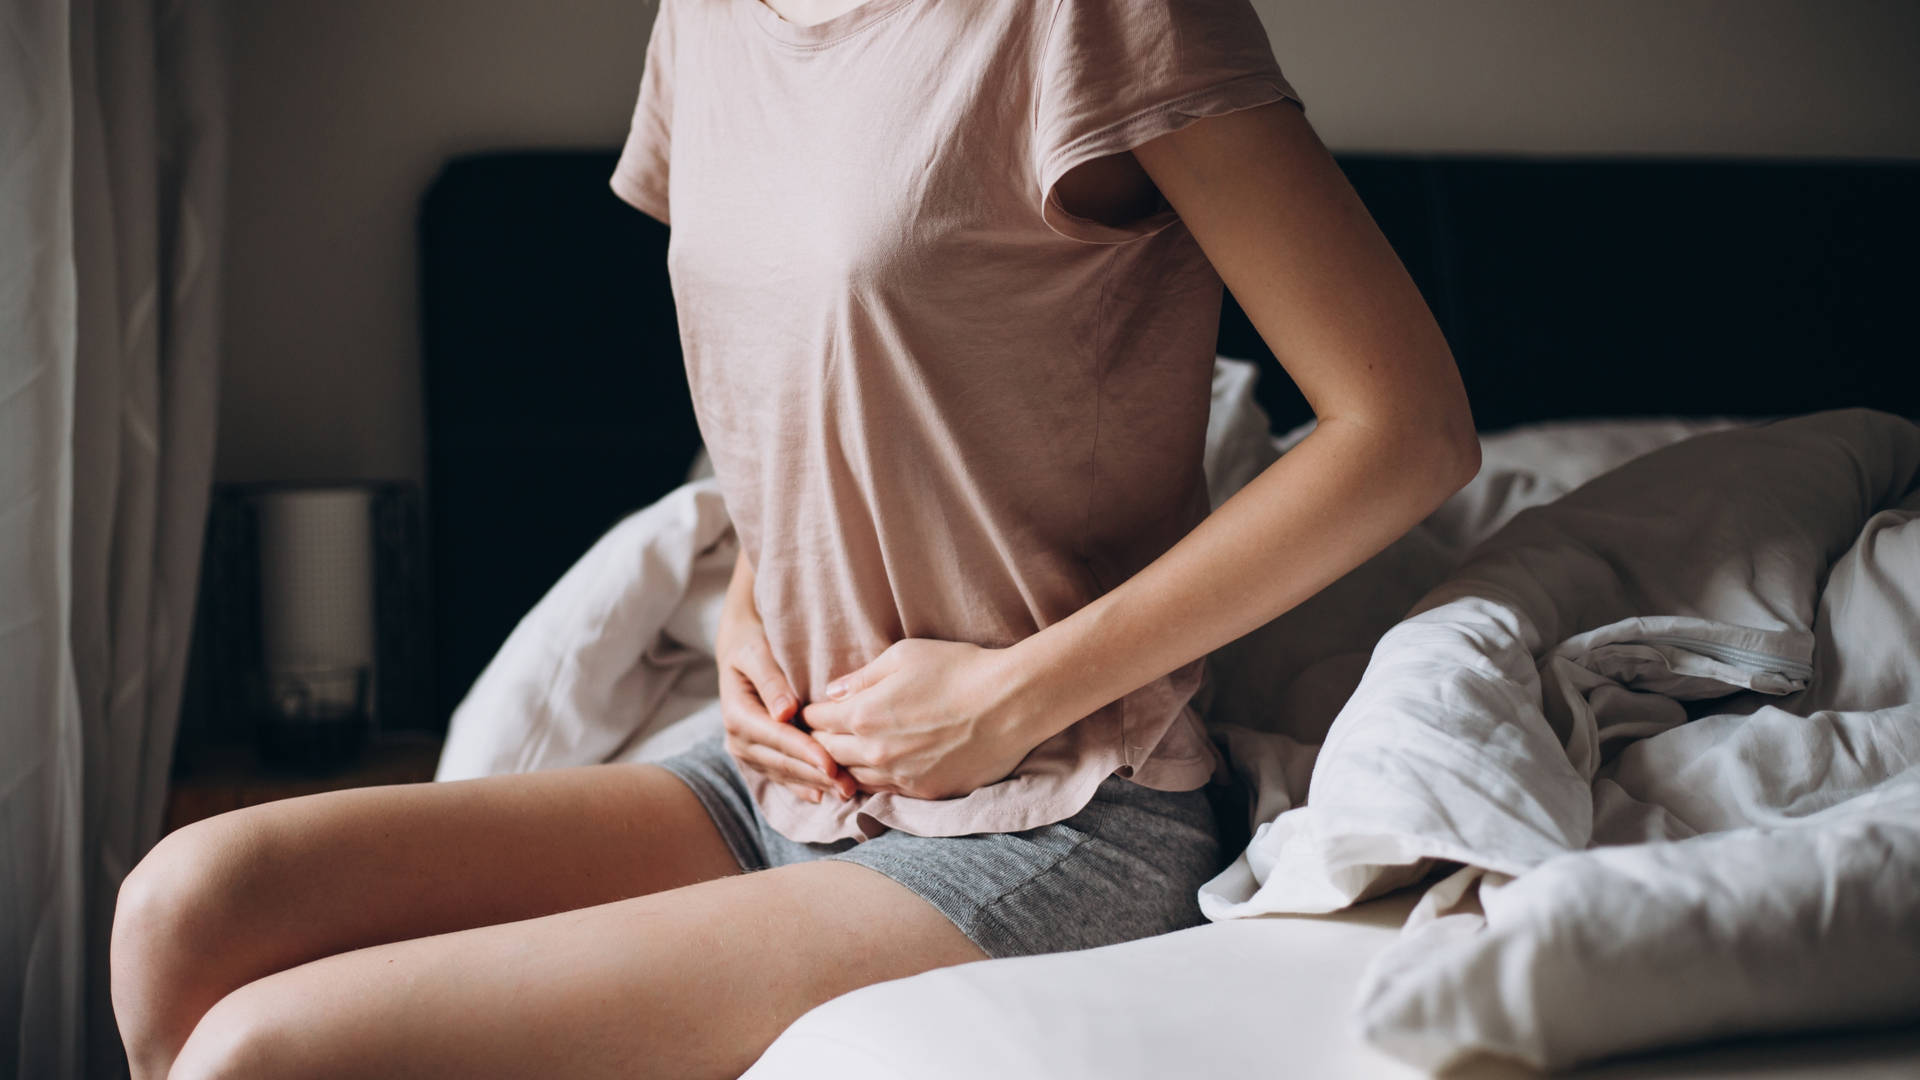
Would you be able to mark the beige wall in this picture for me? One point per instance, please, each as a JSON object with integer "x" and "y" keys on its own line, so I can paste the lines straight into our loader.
{"x": 343, "y": 110}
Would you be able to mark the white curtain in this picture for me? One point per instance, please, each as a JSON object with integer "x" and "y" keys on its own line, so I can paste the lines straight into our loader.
{"x": 112, "y": 165}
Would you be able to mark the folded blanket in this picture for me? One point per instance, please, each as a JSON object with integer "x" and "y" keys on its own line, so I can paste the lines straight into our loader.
{"x": 1488, "y": 730}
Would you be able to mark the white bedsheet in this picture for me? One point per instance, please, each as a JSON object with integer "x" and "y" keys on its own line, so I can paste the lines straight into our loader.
{"x": 1249, "y": 998}
{"x": 1267, "y": 997}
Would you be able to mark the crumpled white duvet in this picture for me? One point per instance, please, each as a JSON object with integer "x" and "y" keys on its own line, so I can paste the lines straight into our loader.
{"x": 1669, "y": 727}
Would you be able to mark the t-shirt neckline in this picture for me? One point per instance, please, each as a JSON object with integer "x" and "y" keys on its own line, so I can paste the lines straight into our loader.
{"x": 815, "y": 35}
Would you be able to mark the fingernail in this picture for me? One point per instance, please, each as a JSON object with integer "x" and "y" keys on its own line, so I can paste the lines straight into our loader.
{"x": 836, "y": 689}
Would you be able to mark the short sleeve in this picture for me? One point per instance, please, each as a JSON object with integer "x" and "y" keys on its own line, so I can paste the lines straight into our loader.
{"x": 640, "y": 176}
{"x": 1113, "y": 74}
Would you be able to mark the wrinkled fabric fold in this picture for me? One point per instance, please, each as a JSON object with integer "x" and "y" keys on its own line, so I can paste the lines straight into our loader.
{"x": 1615, "y": 716}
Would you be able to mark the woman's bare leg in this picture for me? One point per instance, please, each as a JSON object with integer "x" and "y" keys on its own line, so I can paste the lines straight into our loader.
{"x": 224, "y": 901}
{"x": 693, "y": 982}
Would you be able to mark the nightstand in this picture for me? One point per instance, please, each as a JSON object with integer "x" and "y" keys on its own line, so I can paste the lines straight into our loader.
{"x": 228, "y": 776}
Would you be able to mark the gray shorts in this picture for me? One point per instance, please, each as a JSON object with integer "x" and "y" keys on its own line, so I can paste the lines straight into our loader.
{"x": 1127, "y": 866}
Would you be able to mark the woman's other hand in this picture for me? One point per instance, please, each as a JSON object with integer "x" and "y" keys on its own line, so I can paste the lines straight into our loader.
{"x": 757, "y": 706}
{"x": 927, "y": 719}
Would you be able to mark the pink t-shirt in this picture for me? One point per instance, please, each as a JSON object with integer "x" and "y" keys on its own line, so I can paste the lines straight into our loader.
{"x": 938, "y": 404}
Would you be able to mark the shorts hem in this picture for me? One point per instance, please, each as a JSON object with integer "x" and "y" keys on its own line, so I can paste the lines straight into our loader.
{"x": 721, "y": 810}
{"x": 964, "y": 912}
{"x": 990, "y": 923}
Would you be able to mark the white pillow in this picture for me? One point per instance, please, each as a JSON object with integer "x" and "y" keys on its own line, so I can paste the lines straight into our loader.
{"x": 620, "y": 648}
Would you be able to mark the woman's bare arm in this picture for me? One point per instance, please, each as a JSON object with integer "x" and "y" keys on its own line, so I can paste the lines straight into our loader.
{"x": 1395, "y": 437}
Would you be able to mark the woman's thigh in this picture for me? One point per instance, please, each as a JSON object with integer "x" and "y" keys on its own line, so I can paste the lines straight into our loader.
{"x": 233, "y": 897}
{"x": 692, "y": 982}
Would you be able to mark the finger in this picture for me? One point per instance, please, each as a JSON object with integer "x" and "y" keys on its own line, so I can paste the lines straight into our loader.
{"x": 854, "y": 681}
{"x": 756, "y": 662}
{"x": 873, "y": 779}
{"x": 749, "y": 740}
{"x": 747, "y": 716}
{"x": 857, "y": 763}
{"x": 848, "y": 750}
{"x": 792, "y": 741}
{"x": 822, "y": 716}
{"x": 749, "y": 722}
{"x": 788, "y": 771}
{"x": 801, "y": 746}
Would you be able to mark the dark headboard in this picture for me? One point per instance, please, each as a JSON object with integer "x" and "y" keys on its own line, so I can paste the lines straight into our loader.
{"x": 557, "y": 403}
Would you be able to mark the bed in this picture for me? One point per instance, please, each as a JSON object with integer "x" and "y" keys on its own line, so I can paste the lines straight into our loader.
{"x": 1607, "y": 315}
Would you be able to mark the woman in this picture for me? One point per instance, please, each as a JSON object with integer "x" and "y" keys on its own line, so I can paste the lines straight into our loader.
{"x": 948, "y": 274}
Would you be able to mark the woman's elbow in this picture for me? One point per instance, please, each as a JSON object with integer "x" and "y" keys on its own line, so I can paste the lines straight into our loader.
{"x": 1450, "y": 448}
{"x": 1462, "y": 455}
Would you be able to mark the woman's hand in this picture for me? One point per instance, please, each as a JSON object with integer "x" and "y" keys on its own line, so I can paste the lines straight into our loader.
{"x": 757, "y": 706}
{"x": 927, "y": 719}
{"x": 757, "y": 709}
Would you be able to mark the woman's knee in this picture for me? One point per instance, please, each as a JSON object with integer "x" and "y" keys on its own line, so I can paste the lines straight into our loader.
{"x": 176, "y": 892}
{"x": 170, "y": 917}
{"x": 238, "y": 1037}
